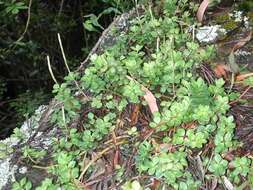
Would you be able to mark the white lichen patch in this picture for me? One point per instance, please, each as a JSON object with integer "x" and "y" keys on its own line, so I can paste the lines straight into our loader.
{"x": 238, "y": 17}
{"x": 5, "y": 172}
{"x": 22, "y": 170}
{"x": 242, "y": 53}
{"x": 32, "y": 123}
{"x": 27, "y": 129}
{"x": 208, "y": 34}
{"x": 47, "y": 141}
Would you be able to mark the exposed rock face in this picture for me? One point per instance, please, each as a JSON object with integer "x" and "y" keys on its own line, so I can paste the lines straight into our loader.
{"x": 10, "y": 167}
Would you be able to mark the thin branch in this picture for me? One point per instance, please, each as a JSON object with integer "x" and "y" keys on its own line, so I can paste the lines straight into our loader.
{"x": 27, "y": 22}
{"x": 63, "y": 53}
{"x": 100, "y": 154}
{"x": 61, "y": 7}
{"x": 66, "y": 64}
{"x": 50, "y": 70}
{"x": 241, "y": 96}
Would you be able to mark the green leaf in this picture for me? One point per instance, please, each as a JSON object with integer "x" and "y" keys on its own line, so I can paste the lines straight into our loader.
{"x": 92, "y": 22}
{"x": 23, "y": 181}
{"x": 110, "y": 10}
{"x": 136, "y": 185}
{"x": 28, "y": 185}
{"x": 15, "y": 11}
{"x": 89, "y": 26}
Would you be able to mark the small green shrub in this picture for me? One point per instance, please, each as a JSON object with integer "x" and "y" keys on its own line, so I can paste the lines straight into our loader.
{"x": 193, "y": 117}
{"x": 23, "y": 184}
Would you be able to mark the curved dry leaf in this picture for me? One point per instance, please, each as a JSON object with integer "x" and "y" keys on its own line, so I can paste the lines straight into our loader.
{"x": 202, "y": 9}
{"x": 151, "y": 100}
{"x": 242, "y": 42}
{"x": 243, "y": 76}
{"x": 149, "y": 97}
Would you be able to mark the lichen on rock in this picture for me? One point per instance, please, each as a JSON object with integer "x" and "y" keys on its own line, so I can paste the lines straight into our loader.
{"x": 9, "y": 145}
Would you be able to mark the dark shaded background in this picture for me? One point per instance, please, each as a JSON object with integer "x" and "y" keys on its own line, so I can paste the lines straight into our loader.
{"x": 25, "y": 82}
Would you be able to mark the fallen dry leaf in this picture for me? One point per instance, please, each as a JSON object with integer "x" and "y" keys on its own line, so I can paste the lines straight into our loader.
{"x": 146, "y": 132}
{"x": 202, "y": 9}
{"x": 116, "y": 158}
{"x": 135, "y": 114}
{"x": 190, "y": 125}
{"x": 151, "y": 100}
{"x": 243, "y": 76}
{"x": 155, "y": 184}
{"x": 149, "y": 97}
{"x": 220, "y": 70}
{"x": 228, "y": 156}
